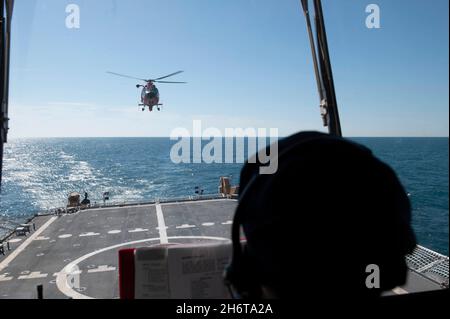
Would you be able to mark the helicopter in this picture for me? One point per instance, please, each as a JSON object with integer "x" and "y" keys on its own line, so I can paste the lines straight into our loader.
{"x": 150, "y": 93}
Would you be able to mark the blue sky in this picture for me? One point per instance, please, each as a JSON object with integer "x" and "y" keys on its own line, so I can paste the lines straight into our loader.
{"x": 248, "y": 64}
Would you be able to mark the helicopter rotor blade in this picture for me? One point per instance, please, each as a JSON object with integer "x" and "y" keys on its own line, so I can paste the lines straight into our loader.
{"x": 156, "y": 81}
{"x": 172, "y": 74}
{"x": 127, "y": 76}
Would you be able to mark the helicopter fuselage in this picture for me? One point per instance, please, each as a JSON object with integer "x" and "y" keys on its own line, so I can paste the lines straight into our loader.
{"x": 149, "y": 95}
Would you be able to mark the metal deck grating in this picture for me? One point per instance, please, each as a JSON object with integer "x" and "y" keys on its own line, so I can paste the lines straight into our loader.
{"x": 430, "y": 264}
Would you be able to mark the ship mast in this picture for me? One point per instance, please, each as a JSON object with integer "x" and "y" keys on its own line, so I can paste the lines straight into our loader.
{"x": 6, "y": 9}
{"x": 322, "y": 68}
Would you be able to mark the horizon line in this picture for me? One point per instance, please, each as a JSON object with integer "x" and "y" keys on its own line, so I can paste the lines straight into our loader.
{"x": 168, "y": 137}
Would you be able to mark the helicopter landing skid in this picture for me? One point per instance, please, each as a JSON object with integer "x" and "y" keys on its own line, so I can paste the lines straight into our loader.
{"x": 158, "y": 107}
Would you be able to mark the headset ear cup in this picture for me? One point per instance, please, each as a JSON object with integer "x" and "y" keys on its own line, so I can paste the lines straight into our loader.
{"x": 240, "y": 275}
{"x": 251, "y": 286}
{"x": 233, "y": 278}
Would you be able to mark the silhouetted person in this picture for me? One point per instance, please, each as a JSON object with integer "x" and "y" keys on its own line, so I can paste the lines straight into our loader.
{"x": 86, "y": 201}
{"x": 312, "y": 228}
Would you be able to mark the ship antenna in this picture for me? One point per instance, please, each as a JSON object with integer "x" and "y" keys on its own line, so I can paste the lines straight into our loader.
{"x": 322, "y": 69}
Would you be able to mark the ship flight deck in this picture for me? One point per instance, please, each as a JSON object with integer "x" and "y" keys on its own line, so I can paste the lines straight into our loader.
{"x": 87, "y": 243}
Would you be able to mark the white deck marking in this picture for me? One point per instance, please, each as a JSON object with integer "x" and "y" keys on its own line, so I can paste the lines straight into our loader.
{"x": 42, "y": 238}
{"x": 65, "y": 236}
{"x": 138, "y": 230}
{"x": 61, "y": 279}
{"x": 15, "y": 240}
{"x": 89, "y": 234}
{"x": 4, "y": 277}
{"x": 33, "y": 275}
{"x": 116, "y": 231}
{"x": 399, "y": 291}
{"x": 185, "y": 226}
{"x": 102, "y": 268}
{"x": 228, "y": 222}
{"x": 208, "y": 224}
{"x": 161, "y": 225}
{"x": 201, "y": 201}
{"x": 25, "y": 244}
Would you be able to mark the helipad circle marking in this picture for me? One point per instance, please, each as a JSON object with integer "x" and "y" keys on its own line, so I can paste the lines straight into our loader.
{"x": 61, "y": 278}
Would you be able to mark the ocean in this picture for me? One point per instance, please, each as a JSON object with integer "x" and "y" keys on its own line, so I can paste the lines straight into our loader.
{"x": 38, "y": 174}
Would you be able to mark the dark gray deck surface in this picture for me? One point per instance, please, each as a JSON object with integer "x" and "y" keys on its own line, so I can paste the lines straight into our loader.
{"x": 92, "y": 238}
{"x": 69, "y": 237}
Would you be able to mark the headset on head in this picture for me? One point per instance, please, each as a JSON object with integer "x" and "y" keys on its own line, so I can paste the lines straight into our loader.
{"x": 239, "y": 275}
